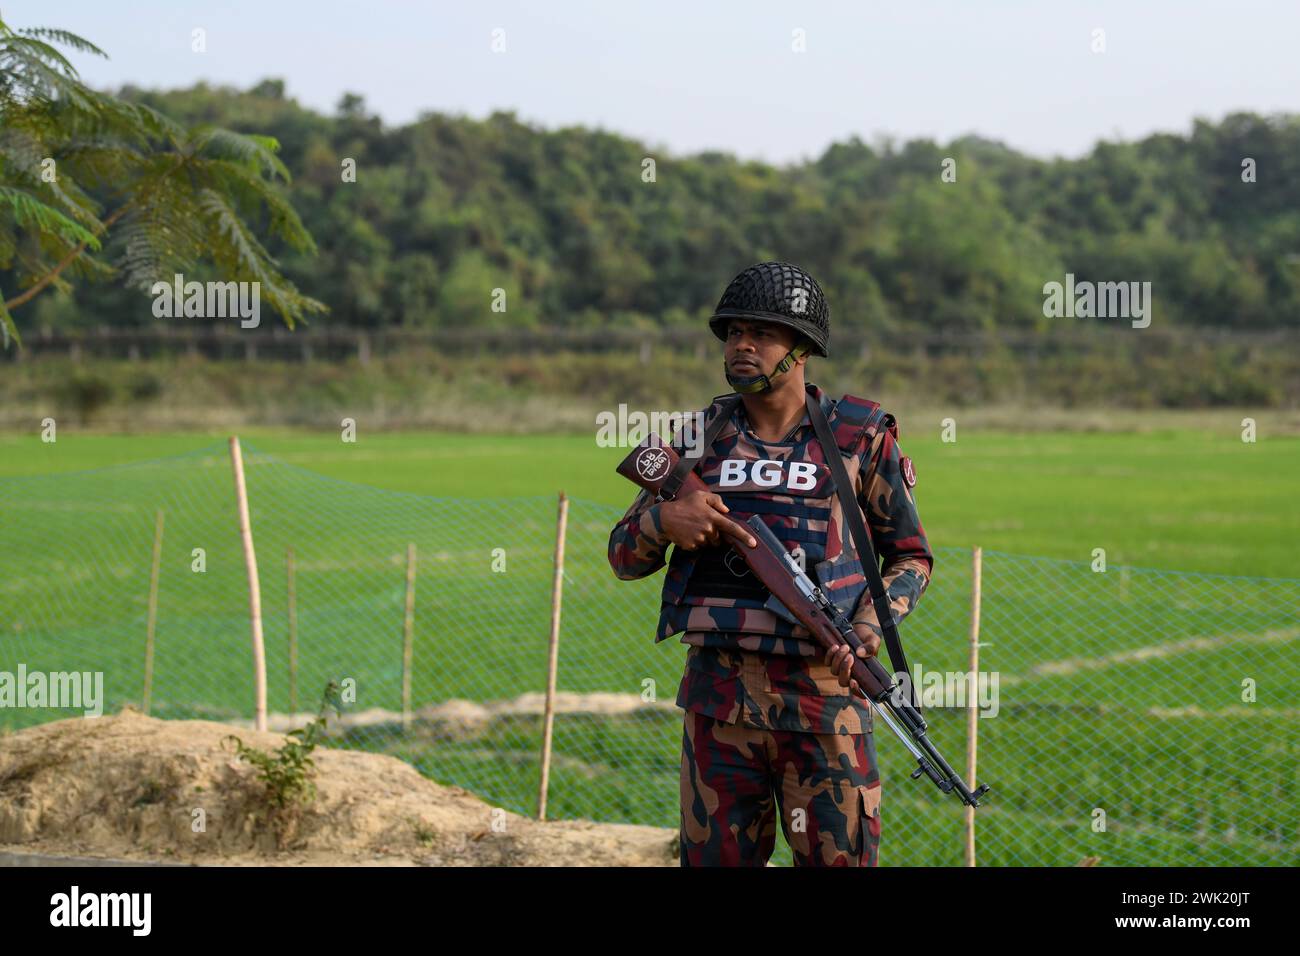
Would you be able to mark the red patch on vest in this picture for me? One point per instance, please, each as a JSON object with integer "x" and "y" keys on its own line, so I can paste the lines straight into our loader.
{"x": 909, "y": 472}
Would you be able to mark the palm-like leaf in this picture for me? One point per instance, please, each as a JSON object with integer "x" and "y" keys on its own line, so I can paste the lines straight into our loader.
{"x": 63, "y": 37}
{"x": 177, "y": 197}
{"x": 29, "y": 211}
{"x": 257, "y": 153}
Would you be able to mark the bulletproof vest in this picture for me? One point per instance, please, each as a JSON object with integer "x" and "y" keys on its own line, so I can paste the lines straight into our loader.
{"x": 789, "y": 485}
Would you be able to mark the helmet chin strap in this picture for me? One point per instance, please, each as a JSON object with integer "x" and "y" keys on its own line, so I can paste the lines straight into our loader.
{"x": 763, "y": 383}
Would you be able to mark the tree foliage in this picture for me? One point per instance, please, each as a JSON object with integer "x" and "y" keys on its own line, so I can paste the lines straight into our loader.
{"x": 92, "y": 185}
{"x": 447, "y": 209}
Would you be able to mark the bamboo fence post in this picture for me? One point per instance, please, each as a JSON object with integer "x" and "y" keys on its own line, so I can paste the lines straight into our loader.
{"x": 408, "y": 630}
{"x": 553, "y": 654}
{"x": 153, "y": 610}
{"x": 293, "y": 630}
{"x": 254, "y": 590}
{"x": 972, "y": 714}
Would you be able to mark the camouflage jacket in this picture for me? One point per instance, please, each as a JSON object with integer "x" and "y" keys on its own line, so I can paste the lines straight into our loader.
{"x": 746, "y": 662}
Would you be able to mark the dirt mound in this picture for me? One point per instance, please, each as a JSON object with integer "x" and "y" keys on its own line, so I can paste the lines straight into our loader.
{"x": 133, "y": 787}
{"x": 459, "y": 718}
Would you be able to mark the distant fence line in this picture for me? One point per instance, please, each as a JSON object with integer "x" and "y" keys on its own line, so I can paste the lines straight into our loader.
{"x": 276, "y": 343}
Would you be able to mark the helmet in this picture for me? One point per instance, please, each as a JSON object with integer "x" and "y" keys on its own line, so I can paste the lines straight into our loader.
{"x": 776, "y": 292}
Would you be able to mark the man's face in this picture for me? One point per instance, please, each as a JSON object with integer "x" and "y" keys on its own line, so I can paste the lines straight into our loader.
{"x": 754, "y": 348}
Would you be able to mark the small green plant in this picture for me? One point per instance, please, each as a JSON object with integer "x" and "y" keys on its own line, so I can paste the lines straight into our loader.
{"x": 286, "y": 773}
{"x": 425, "y": 834}
{"x": 151, "y": 791}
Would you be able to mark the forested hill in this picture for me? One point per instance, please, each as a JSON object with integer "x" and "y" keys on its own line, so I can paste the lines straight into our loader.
{"x": 445, "y": 209}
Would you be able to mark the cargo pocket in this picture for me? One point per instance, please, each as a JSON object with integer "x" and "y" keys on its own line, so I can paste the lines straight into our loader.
{"x": 868, "y": 825}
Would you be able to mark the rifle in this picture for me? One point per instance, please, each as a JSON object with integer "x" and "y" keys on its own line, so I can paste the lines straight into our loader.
{"x": 793, "y": 592}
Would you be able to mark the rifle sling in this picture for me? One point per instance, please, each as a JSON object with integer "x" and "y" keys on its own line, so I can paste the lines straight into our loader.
{"x": 862, "y": 542}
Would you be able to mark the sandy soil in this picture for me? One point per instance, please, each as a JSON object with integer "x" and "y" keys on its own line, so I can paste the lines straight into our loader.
{"x": 133, "y": 787}
{"x": 460, "y": 718}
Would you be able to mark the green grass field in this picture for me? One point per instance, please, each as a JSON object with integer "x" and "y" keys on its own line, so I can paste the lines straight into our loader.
{"x": 1174, "y": 499}
{"x": 1098, "y": 669}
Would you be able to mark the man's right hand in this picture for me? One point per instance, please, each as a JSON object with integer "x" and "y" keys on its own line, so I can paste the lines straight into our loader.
{"x": 699, "y": 519}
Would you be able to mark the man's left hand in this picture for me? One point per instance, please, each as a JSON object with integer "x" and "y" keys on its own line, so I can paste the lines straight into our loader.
{"x": 841, "y": 661}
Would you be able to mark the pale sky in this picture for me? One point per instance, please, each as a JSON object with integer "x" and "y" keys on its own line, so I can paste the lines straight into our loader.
{"x": 690, "y": 76}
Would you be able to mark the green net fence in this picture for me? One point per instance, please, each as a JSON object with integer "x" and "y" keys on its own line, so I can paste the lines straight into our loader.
{"x": 1143, "y": 717}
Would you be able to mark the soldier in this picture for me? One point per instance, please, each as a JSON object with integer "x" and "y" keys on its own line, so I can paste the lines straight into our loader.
{"x": 767, "y": 715}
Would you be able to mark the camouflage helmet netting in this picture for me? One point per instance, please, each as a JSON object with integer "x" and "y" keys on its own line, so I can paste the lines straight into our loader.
{"x": 776, "y": 292}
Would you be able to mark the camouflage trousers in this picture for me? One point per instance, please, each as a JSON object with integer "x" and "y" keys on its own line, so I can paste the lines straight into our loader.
{"x": 736, "y": 780}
